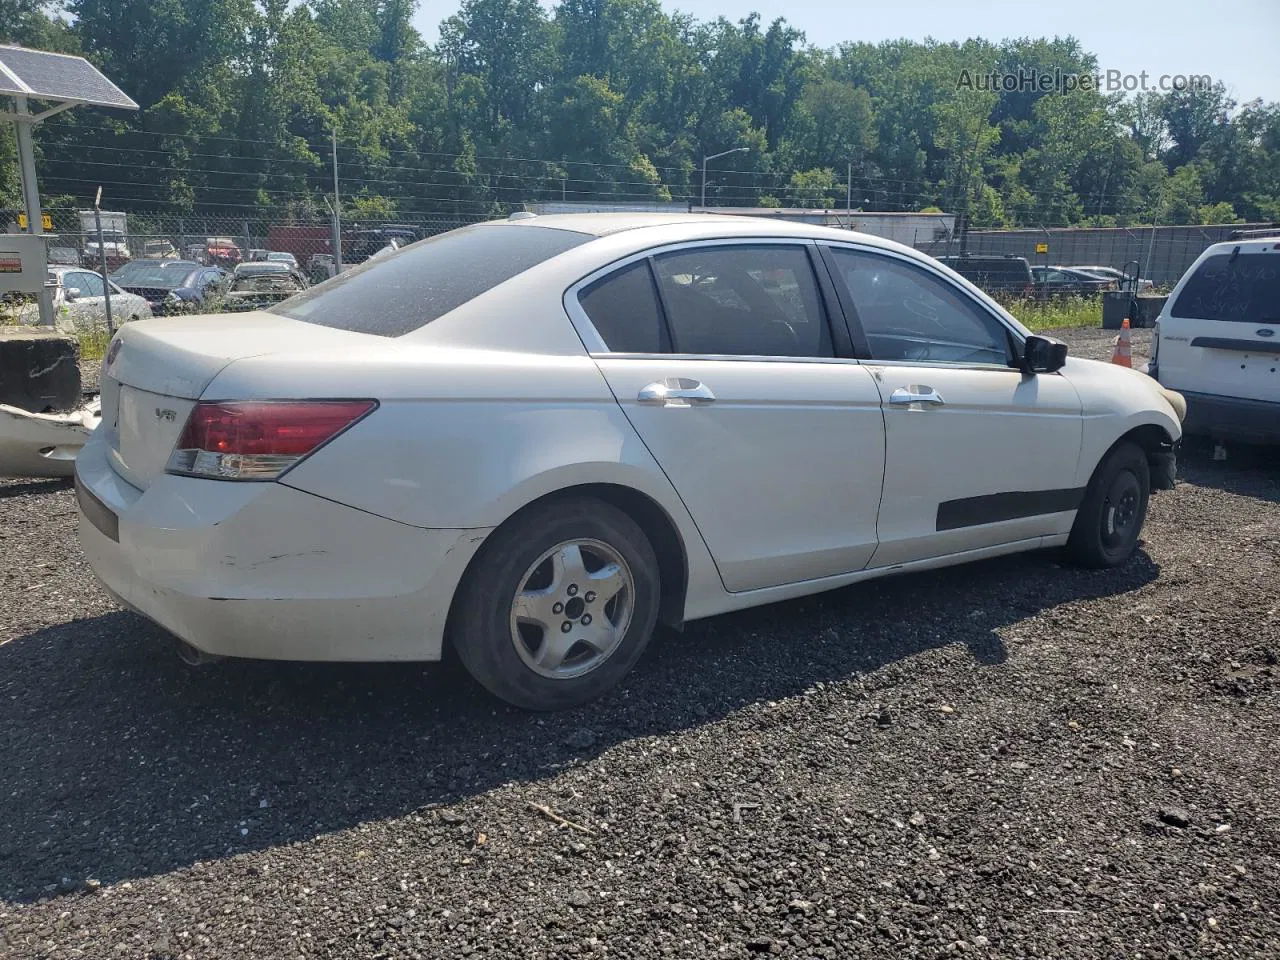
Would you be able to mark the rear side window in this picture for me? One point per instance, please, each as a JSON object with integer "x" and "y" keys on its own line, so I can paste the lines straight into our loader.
{"x": 1243, "y": 289}
{"x": 743, "y": 300}
{"x": 397, "y": 293}
{"x": 623, "y": 307}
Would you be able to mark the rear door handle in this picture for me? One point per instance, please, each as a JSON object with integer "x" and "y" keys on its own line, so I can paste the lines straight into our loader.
{"x": 916, "y": 394}
{"x": 676, "y": 392}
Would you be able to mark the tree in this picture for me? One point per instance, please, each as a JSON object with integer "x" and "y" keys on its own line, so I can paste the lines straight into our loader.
{"x": 813, "y": 188}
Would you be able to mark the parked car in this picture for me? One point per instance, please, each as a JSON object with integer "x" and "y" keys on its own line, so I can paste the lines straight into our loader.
{"x": 171, "y": 286}
{"x": 367, "y": 242}
{"x": 1217, "y": 341}
{"x": 995, "y": 274}
{"x": 159, "y": 250}
{"x": 259, "y": 267}
{"x": 64, "y": 256}
{"x": 222, "y": 252}
{"x": 1124, "y": 281}
{"x": 261, "y": 289}
{"x": 79, "y": 301}
{"x": 196, "y": 253}
{"x": 256, "y": 254}
{"x": 270, "y": 268}
{"x": 320, "y": 267}
{"x": 1067, "y": 282}
{"x": 282, "y": 256}
{"x": 535, "y": 439}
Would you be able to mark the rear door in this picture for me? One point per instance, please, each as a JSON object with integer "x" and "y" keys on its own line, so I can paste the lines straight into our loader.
{"x": 1220, "y": 333}
{"x": 977, "y": 454}
{"x": 721, "y": 355}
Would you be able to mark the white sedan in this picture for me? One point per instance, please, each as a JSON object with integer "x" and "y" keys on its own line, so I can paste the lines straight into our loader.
{"x": 80, "y": 302}
{"x": 535, "y": 439}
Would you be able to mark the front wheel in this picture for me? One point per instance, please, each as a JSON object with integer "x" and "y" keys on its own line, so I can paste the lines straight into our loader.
{"x": 1110, "y": 518}
{"x": 559, "y": 606}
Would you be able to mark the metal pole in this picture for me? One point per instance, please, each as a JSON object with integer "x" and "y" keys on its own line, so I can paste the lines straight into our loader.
{"x": 102, "y": 258}
{"x": 337, "y": 209}
{"x": 31, "y": 195}
{"x": 716, "y": 156}
{"x": 848, "y": 195}
{"x": 1151, "y": 247}
{"x": 335, "y": 237}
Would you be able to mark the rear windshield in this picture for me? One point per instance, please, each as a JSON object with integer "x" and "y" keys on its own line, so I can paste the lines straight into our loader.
{"x": 1244, "y": 288}
{"x": 399, "y": 292}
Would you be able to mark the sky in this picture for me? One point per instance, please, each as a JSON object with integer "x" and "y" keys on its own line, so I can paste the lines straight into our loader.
{"x": 1236, "y": 42}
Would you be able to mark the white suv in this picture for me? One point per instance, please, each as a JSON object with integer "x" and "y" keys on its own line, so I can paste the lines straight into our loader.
{"x": 1217, "y": 342}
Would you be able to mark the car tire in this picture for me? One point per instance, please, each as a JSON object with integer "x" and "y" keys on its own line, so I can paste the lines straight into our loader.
{"x": 541, "y": 640}
{"x": 1110, "y": 518}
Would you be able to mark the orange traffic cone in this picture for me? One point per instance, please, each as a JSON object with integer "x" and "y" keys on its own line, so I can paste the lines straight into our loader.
{"x": 1124, "y": 348}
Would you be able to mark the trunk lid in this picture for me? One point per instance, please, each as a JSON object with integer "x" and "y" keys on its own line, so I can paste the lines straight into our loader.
{"x": 156, "y": 370}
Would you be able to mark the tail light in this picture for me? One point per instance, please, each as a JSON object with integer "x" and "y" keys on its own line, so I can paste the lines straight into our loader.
{"x": 259, "y": 439}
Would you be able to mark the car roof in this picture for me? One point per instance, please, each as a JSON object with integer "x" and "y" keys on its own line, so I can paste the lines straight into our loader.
{"x": 688, "y": 226}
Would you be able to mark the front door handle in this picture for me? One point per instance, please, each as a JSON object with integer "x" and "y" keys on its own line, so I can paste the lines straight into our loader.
{"x": 676, "y": 392}
{"x": 915, "y": 394}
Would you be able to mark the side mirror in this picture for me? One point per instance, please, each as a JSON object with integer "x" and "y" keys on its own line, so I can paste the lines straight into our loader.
{"x": 1043, "y": 355}
{"x": 71, "y": 293}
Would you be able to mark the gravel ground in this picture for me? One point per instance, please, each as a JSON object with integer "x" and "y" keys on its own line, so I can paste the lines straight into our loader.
{"x": 1008, "y": 759}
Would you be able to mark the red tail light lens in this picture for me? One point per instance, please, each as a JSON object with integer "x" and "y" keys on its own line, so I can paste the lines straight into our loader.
{"x": 259, "y": 439}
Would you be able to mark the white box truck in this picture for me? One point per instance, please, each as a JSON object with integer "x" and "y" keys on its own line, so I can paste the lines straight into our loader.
{"x": 115, "y": 238}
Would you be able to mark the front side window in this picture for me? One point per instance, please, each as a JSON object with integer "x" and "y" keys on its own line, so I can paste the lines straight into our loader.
{"x": 1244, "y": 288}
{"x": 743, "y": 300}
{"x": 90, "y": 284}
{"x": 908, "y": 313}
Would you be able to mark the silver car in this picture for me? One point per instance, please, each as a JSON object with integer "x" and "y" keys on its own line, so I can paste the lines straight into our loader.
{"x": 79, "y": 301}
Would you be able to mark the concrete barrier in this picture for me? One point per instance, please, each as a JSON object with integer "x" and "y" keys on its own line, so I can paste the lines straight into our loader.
{"x": 39, "y": 370}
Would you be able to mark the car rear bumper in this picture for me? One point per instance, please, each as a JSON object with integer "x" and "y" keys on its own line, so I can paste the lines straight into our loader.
{"x": 1232, "y": 418}
{"x": 265, "y": 571}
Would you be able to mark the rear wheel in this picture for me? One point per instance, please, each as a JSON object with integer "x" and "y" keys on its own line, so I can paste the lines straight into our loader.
{"x": 1114, "y": 508}
{"x": 560, "y": 605}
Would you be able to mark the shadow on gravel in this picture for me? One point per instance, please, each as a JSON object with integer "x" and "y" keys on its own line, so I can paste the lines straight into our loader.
{"x": 20, "y": 488}
{"x": 117, "y": 761}
{"x": 1252, "y": 471}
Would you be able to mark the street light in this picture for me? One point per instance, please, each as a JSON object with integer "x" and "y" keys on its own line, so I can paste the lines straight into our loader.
{"x": 715, "y": 156}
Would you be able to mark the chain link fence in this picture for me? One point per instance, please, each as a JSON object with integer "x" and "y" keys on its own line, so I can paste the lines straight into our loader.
{"x": 1162, "y": 254}
{"x": 224, "y": 241}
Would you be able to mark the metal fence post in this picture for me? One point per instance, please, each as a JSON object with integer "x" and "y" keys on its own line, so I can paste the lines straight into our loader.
{"x": 102, "y": 257}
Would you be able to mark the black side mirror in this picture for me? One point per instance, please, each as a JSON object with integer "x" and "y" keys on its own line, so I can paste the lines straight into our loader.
{"x": 1043, "y": 355}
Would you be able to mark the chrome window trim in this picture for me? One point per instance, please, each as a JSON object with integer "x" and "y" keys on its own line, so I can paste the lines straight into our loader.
{"x": 596, "y": 347}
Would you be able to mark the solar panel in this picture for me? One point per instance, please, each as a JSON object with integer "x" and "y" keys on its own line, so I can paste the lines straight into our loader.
{"x": 57, "y": 76}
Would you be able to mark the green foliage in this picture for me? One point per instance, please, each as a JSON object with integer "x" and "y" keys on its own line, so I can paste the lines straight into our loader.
{"x": 617, "y": 99}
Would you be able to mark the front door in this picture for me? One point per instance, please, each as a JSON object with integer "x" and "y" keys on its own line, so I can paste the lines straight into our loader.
{"x": 977, "y": 454}
{"x": 89, "y": 308}
{"x": 720, "y": 355}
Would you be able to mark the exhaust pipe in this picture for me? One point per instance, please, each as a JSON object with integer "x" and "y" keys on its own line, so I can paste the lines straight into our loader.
{"x": 193, "y": 657}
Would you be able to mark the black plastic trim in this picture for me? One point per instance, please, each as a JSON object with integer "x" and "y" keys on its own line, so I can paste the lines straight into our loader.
{"x": 995, "y": 507}
{"x": 98, "y": 513}
{"x": 1241, "y": 346}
